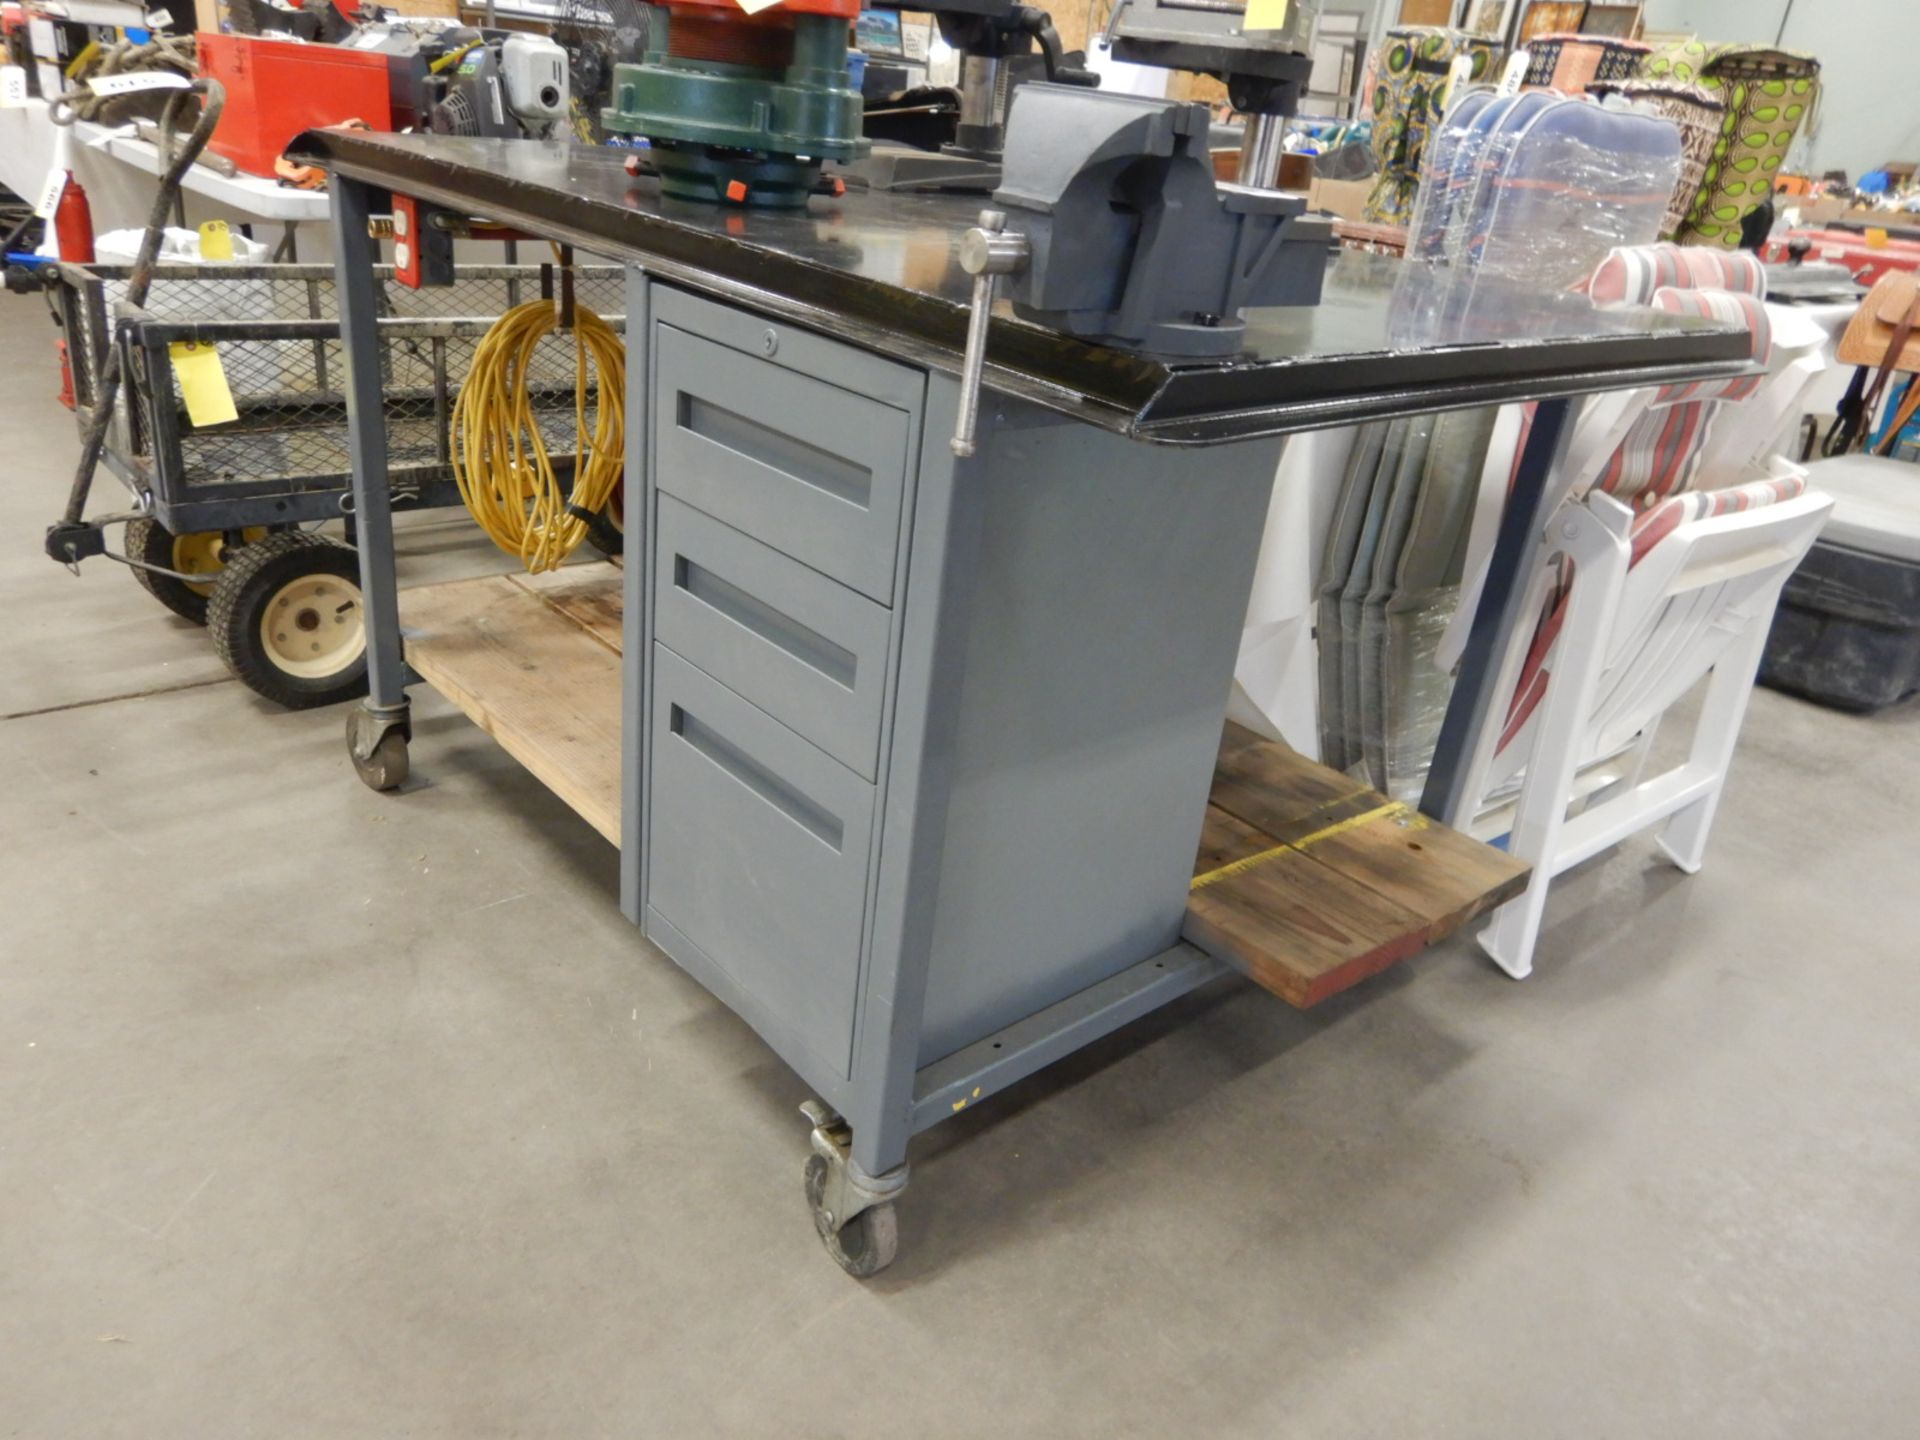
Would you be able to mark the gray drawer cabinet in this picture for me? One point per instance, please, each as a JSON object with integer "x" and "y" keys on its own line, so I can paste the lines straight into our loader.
{"x": 927, "y": 741}
{"x": 800, "y": 646}
{"x": 773, "y": 554}
{"x": 760, "y": 850}
{"x": 808, "y": 466}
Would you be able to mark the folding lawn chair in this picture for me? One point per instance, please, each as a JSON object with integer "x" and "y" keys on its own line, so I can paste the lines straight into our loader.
{"x": 1658, "y": 600}
{"x": 1644, "y": 587}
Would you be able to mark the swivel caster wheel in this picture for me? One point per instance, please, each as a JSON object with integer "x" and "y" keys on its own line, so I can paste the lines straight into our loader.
{"x": 387, "y": 767}
{"x": 852, "y": 1210}
{"x": 864, "y": 1245}
{"x": 377, "y": 745}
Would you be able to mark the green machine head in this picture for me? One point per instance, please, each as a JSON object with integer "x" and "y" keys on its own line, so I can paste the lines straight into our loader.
{"x": 742, "y": 108}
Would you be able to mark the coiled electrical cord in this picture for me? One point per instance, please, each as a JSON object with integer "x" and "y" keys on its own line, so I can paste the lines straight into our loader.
{"x": 500, "y": 461}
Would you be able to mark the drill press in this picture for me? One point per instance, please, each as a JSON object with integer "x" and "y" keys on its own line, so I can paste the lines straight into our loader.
{"x": 1265, "y": 70}
{"x": 742, "y": 108}
{"x": 988, "y": 34}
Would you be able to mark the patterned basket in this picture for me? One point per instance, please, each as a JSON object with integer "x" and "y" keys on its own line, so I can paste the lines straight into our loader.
{"x": 1768, "y": 94}
{"x": 1410, "y": 90}
{"x": 1698, "y": 113}
{"x": 1573, "y": 63}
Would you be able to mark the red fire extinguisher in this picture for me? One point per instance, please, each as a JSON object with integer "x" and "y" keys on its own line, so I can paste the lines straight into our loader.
{"x": 73, "y": 224}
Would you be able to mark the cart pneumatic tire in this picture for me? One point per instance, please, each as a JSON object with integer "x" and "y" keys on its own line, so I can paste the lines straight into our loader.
{"x": 287, "y": 619}
{"x": 866, "y": 1244}
{"x": 151, "y": 543}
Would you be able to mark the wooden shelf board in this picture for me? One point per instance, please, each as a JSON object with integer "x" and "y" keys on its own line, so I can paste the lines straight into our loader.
{"x": 533, "y": 660}
{"x": 1307, "y": 880}
{"x": 1310, "y": 881}
{"x": 588, "y": 595}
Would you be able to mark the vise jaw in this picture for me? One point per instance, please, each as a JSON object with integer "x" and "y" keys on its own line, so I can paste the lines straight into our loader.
{"x": 1131, "y": 241}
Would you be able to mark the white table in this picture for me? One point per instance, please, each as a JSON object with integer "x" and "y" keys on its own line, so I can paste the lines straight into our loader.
{"x": 246, "y": 194}
{"x": 119, "y": 172}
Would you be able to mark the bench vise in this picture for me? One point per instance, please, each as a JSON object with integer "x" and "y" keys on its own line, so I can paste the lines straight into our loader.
{"x": 1111, "y": 227}
{"x": 1133, "y": 242}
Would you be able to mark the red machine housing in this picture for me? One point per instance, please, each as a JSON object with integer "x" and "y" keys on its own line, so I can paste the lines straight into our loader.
{"x": 719, "y": 30}
{"x": 730, "y": 9}
{"x": 277, "y": 88}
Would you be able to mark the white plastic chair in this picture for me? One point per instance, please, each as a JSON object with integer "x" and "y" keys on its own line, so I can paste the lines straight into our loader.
{"x": 1657, "y": 601}
{"x": 1736, "y": 451}
{"x": 1644, "y": 586}
{"x": 1622, "y": 442}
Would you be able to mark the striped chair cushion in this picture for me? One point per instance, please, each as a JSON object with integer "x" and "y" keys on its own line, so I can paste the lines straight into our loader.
{"x": 1734, "y": 308}
{"x": 1650, "y": 527}
{"x": 1662, "y": 450}
{"x": 1734, "y": 270}
{"x": 1634, "y": 274}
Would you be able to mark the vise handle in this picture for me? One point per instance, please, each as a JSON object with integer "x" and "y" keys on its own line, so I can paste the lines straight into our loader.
{"x": 987, "y": 252}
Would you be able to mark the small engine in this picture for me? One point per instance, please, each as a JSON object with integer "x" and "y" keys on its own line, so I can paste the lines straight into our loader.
{"x": 534, "y": 70}
{"x": 457, "y": 80}
{"x": 506, "y": 87}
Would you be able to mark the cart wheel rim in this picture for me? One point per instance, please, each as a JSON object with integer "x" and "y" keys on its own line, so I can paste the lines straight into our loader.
{"x": 204, "y": 552}
{"x": 313, "y": 627}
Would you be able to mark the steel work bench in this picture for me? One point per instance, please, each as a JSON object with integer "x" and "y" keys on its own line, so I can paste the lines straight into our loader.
{"x": 911, "y": 751}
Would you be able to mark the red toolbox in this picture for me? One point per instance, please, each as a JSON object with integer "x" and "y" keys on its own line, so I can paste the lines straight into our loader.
{"x": 277, "y": 88}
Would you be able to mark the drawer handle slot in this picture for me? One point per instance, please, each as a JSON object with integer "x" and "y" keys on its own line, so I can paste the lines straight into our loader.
{"x": 777, "y": 628}
{"x": 822, "y": 469}
{"x": 812, "y": 818}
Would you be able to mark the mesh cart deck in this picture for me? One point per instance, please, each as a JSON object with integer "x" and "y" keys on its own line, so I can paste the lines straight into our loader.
{"x": 278, "y": 335}
{"x": 216, "y": 536}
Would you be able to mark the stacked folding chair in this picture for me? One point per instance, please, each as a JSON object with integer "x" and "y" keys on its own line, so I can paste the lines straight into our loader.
{"x": 1493, "y": 199}
{"x": 1645, "y": 587}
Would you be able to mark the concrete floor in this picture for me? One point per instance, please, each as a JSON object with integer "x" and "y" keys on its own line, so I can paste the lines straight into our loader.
{"x": 331, "y": 1114}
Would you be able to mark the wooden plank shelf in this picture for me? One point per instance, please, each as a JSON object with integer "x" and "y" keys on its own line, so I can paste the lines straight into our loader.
{"x": 1310, "y": 881}
{"x": 1306, "y": 879}
{"x": 533, "y": 660}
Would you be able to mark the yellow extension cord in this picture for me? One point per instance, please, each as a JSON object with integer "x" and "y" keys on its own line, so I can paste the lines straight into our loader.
{"x": 500, "y": 462}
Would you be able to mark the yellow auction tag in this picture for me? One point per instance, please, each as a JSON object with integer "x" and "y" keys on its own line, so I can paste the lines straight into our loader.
{"x": 203, "y": 382}
{"x": 1266, "y": 15}
{"x": 216, "y": 241}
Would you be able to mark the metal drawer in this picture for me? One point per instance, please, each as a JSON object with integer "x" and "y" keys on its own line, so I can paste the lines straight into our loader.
{"x": 806, "y": 649}
{"x": 757, "y": 853}
{"x": 814, "y": 470}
